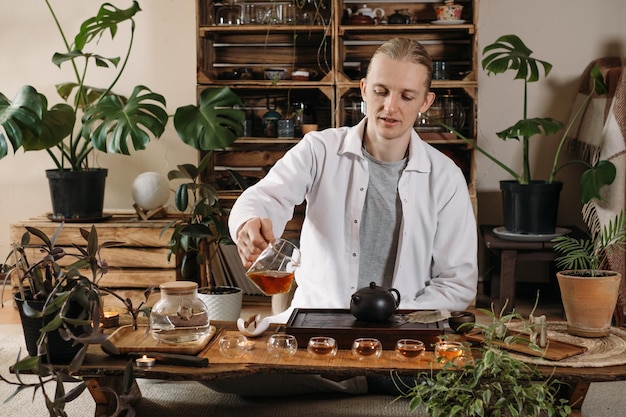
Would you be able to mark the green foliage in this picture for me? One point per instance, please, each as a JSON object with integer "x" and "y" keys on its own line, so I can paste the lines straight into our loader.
{"x": 592, "y": 253}
{"x": 201, "y": 227}
{"x": 493, "y": 385}
{"x": 110, "y": 122}
{"x": 509, "y": 53}
{"x": 60, "y": 287}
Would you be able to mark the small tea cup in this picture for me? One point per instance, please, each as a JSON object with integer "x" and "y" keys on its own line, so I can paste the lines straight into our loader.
{"x": 282, "y": 345}
{"x": 233, "y": 346}
{"x": 409, "y": 348}
{"x": 367, "y": 348}
{"x": 322, "y": 347}
{"x": 461, "y": 321}
{"x": 448, "y": 351}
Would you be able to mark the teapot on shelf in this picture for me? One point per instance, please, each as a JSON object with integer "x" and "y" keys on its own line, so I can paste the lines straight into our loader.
{"x": 374, "y": 303}
{"x": 365, "y": 15}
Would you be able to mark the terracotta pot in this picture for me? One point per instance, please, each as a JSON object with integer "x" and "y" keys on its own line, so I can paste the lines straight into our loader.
{"x": 589, "y": 301}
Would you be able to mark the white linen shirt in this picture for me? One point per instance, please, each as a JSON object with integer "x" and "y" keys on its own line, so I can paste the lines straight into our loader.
{"x": 436, "y": 264}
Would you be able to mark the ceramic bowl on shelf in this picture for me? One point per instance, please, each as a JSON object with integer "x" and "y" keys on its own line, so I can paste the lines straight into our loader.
{"x": 275, "y": 74}
{"x": 300, "y": 75}
{"x": 448, "y": 11}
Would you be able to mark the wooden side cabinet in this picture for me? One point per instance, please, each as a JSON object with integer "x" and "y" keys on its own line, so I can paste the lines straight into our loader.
{"x": 139, "y": 262}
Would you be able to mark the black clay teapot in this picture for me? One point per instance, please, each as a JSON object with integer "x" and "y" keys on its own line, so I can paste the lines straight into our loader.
{"x": 374, "y": 303}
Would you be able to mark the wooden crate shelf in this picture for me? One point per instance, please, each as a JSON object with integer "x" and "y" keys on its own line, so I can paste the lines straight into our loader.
{"x": 139, "y": 262}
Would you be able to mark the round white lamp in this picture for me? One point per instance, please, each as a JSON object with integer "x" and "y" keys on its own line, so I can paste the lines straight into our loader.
{"x": 150, "y": 190}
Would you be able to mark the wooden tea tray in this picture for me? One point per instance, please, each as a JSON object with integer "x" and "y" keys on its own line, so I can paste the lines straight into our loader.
{"x": 555, "y": 351}
{"x": 344, "y": 328}
{"x": 126, "y": 340}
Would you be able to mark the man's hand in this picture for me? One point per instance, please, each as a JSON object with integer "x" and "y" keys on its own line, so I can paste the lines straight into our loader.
{"x": 252, "y": 237}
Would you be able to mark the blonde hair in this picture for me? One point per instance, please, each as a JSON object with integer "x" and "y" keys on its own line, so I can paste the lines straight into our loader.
{"x": 404, "y": 49}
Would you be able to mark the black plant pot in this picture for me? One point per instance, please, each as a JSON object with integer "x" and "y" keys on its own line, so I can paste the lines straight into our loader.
{"x": 77, "y": 195}
{"x": 61, "y": 351}
{"x": 530, "y": 208}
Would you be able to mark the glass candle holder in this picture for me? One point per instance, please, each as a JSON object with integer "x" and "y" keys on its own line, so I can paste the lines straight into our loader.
{"x": 322, "y": 347}
{"x": 281, "y": 345}
{"x": 409, "y": 348}
{"x": 367, "y": 348}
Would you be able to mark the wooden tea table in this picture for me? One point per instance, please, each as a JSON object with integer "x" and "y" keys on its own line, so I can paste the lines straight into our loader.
{"x": 103, "y": 370}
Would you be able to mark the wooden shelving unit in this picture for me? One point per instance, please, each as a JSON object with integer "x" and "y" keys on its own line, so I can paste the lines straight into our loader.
{"x": 338, "y": 54}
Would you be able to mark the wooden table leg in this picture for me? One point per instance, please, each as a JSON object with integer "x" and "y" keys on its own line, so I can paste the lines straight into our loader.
{"x": 508, "y": 259}
{"x": 577, "y": 397}
{"x": 108, "y": 393}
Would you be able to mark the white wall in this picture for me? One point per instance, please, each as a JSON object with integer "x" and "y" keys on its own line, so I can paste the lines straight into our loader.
{"x": 163, "y": 59}
{"x": 567, "y": 33}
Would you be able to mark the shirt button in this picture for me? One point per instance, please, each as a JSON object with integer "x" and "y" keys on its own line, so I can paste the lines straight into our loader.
{"x": 361, "y": 189}
{"x": 354, "y": 254}
{"x": 355, "y": 221}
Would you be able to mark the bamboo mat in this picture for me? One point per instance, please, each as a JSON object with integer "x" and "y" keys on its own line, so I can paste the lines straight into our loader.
{"x": 344, "y": 359}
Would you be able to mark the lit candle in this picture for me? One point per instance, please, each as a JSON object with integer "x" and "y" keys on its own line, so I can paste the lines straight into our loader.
{"x": 145, "y": 362}
{"x": 110, "y": 319}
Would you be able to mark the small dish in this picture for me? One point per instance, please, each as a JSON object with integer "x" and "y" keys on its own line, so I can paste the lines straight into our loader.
{"x": 448, "y": 22}
{"x": 502, "y": 233}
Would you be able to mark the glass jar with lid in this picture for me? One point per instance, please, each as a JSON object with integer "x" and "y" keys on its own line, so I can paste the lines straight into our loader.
{"x": 229, "y": 14}
{"x": 179, "y": 316}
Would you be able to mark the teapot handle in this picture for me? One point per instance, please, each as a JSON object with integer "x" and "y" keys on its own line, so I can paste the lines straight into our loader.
{"x": 382, "y": 11}
{"x": 396, "y": 296}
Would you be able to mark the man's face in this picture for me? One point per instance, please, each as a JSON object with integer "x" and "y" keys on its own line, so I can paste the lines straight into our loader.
{"x": 394, "y": 93}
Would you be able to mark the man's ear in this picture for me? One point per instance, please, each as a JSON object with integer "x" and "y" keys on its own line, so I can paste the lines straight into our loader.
{"x": 430, "y": 98}
{"x": 362, "y": 85}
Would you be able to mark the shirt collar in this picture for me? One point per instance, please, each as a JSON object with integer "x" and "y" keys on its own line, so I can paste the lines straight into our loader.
{"x": 418, "y": 161}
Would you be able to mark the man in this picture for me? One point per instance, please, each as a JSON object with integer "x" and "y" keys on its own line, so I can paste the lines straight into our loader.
{"x": 381, "y": 204}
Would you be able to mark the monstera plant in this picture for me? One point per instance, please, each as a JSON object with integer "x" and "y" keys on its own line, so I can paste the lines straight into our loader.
{"x": 95, "y": 118}
{"x": 523, "y": 212}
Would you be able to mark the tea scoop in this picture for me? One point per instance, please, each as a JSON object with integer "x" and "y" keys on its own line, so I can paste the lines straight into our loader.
{"x": 254, "y": 326}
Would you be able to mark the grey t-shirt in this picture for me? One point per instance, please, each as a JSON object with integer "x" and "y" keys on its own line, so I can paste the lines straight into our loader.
{"x": 380, "y": 222}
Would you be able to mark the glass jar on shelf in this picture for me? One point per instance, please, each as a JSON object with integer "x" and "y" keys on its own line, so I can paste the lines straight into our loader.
{"x": 229, "y": 14}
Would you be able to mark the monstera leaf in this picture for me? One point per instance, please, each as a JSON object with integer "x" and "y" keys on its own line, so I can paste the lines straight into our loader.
{"x": 214, "y": 124}
{"x": 112, "y": 122}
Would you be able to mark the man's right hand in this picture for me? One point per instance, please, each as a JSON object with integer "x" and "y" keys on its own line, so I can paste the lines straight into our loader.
{"x": 252, "y": 237}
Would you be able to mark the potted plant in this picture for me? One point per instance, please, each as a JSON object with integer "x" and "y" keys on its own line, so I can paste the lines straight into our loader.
{"x": 61, "y": 311}
{"x": 94, "y": 118}
{"x": 529, "y": 205}
{"x": 493, "y": 384}
{"x": 197, "y": 236}
{"x": 589, "y": 292}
